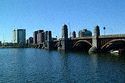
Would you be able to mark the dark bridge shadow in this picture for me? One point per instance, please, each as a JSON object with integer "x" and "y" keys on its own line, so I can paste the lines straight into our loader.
{"x": 114, "y": 45}
{"x": 81, "y": 46}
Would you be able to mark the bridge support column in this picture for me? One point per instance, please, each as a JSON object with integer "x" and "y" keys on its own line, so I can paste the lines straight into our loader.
{"x": 64, "y": 45}
{"x": 64, "y": 40}
{"x": 95, "y": 41}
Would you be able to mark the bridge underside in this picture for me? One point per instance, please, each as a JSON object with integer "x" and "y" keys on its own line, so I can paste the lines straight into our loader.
{"x": 116, "y": 45}
{"x": 81, "y": 47}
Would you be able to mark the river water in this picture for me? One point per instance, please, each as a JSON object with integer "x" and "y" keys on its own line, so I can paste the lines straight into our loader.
{"x": 41, "y": 66}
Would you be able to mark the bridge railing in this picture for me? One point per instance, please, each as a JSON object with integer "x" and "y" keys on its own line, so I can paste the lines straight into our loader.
{"x": 82, "y": 38}
{"x": 114, "y": 35}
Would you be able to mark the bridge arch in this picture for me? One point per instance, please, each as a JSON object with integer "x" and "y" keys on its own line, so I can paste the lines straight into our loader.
{"x": 55, "y": 45}
{"x": 114, "y": 44}
{"x": 82, "y": 45}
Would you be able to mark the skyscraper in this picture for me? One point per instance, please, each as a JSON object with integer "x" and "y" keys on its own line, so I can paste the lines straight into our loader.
{"x": 19, "y": 36}
{"x": 40, "y": 37}
{"x": 35, "y": 37}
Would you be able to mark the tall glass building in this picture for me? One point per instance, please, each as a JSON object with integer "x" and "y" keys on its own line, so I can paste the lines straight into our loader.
{"x": 19, "y": 36}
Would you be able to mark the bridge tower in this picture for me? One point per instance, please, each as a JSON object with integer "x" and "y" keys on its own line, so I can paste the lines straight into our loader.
{"x": 64, "y": 40}
{"x": 95, "y": 40}
{"x": 73, "y": 34}
{"x": 65, "y": 31}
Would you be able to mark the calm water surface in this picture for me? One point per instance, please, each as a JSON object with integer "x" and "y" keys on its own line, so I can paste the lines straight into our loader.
{"x": 41, "y": 66}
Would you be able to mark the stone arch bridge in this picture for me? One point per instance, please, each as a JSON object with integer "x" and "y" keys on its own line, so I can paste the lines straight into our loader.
{"x": 103, "y": 42}
{"x": 95, "y": 43}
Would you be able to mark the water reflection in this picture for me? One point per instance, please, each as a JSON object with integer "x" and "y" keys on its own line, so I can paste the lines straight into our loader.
{"x": 65, "y": 67}
{"x": 110, "y": 68}
{"x": 42, "y": 66}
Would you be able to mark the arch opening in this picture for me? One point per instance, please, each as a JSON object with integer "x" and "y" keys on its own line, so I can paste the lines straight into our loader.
{"x": 82, "y": 46}
{"x": 55, "y": 45}
{"x": 114, "y": 45}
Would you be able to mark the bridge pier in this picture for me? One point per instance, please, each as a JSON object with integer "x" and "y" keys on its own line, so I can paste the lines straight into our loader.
{"x": 63, "y": 45}
{"x": 95, "y": 41}
{"x": 64, "y": 40}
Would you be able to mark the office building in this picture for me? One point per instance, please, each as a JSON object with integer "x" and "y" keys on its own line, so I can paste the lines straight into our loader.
{"x": 30, "y": 41}
{"x": 40, "y": 37}
{"x": 35, "y": 37}
{"x": 19, "y": 36}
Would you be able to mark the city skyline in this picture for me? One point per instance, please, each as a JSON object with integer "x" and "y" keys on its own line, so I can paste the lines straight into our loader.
{"x": 51, "y": 15}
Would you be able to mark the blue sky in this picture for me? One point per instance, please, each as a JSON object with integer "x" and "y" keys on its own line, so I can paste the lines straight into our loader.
{"x": 52, "y": 14}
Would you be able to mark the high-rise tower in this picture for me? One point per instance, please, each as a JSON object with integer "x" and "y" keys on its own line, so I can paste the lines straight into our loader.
{"x": 19, "y": 36}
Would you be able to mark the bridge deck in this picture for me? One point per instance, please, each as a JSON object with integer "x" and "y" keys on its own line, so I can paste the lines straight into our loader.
{"x": 113, "y": 36}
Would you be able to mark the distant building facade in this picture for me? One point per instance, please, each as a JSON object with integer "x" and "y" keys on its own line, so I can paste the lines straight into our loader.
{"x": 84, "y": 33}
{"x": 30, "y": 41}
{"x": 35, "y": 37}
{"x": 19, "y": 36}
{"x": 40, "y": 37}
